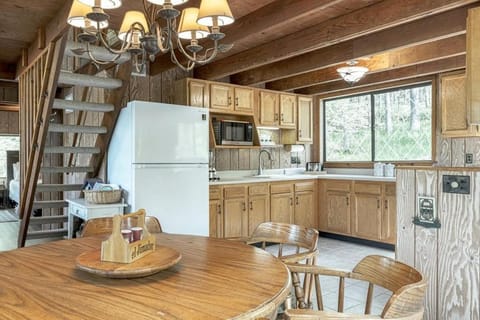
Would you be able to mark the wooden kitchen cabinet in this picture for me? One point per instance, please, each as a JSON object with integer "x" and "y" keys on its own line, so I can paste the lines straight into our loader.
{"x": 366, "y": 211}
{"x": 454, "y": 106}
{"x": 304, "y": 211}
{"x": 192, "y": 92}
{"x": 215, "y": 212}
{"x": 228, "y": 98}
{"x": 361, "y": 209}
{"x": 389, "y": 214}
{"x": 281, "y": 202}
{"x": 305, "y": 120}
{"x": 335, "y": 206}
{"x": 258, "y": 205}
{"x": 235, "y": 211}
{"x": 269, "y": 108}
{"x": 9, "y": 122}
{"x": 221, "y": 97}
{"x": 288, "y": 111}
{"x": 473, "y": 66}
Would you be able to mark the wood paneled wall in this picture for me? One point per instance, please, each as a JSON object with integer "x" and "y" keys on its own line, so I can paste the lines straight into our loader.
{"x": 449, "y": 257}
{"x": 9, "y": 122}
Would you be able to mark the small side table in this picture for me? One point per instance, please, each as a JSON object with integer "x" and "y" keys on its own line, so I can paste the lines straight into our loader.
{"x": 84, "y": 210}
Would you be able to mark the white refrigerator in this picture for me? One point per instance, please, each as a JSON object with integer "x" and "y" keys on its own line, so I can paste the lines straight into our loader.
{"x": 158, "y": 154}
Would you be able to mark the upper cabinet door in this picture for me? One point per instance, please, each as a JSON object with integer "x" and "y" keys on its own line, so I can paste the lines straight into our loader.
{"x": 244, "y": 100}
{"x": 221, "y": 97}
{"x": 199, "y": 94}
{"x": 268, "y": 108}
{"x": 305, "y": 119}
{"x": 454, "y": 108}
{"x": 288, "y": 111}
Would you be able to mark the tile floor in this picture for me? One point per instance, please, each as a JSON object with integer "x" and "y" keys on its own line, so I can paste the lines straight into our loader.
{"x": 345, "y": 255}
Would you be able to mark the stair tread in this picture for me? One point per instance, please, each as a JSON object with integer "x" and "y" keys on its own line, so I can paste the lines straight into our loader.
{"x": 82, "y": 105}
{"x": 50, "y": 204}
{"x": 58, "y": 187}
{"x": 57, "y": 127}
{"x": 64, "y": 149}
{"x": 52, "y": 233}
{"x": 49, "y": 219}
{"x": 72, "y": 79}
{"x": 65, "y": 169}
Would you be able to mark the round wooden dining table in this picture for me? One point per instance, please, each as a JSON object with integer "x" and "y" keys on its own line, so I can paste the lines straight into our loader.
{"x": 215, "y": 279}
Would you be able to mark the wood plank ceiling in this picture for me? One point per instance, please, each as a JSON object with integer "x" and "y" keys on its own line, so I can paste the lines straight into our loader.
{"x": 296, "y": 45}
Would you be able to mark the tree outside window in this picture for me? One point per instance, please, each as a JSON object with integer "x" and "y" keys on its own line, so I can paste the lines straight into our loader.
{"x": 393, "y": 125}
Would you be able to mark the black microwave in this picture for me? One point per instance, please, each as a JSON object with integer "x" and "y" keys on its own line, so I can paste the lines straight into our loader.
{"x": 233, "y": 132}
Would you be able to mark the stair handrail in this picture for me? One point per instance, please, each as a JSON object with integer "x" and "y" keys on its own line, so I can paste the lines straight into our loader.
{"x": 49, "y": 83}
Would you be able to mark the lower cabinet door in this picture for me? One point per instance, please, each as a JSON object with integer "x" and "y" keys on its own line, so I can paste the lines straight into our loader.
{"x": 258, "y": 211}
{"x": 236, "y": 218}
{"x": 304, "y": 209}
{"x": 216, "y": 219}
{"x": 338, "y": 212}
{"x": 281, "y": 207}
{"x": 366, "y": 220}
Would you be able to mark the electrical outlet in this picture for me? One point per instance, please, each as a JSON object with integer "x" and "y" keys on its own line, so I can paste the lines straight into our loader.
{"x": 469, "y": 158}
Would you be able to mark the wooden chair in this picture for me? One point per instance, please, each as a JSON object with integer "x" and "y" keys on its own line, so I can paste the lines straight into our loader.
{"x": 406, "y": 284}
{"x": 98, "y": 226}
{"x": 303, "y": 240}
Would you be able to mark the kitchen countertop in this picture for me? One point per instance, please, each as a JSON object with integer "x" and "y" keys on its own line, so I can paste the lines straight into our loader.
{"x": 274, "y": 177}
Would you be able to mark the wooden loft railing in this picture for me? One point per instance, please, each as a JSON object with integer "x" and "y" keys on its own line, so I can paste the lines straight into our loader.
{"x": 37, "y": 86}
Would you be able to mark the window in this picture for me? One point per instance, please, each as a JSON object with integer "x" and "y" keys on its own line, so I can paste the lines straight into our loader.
{"x": 393, "y": 125}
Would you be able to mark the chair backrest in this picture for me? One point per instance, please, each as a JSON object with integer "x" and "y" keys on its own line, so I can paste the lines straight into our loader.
{"x": 98, "y": 226}
{"x": 406, "y": 283}
{"x": 285, "y": 234}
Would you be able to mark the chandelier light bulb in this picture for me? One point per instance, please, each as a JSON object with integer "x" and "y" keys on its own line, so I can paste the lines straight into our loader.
{"x": 172, "y": 2}
{"x": 104, "y": 4}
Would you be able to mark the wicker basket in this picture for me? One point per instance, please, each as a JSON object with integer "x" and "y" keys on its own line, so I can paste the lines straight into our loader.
{"x": 102, "y": 196}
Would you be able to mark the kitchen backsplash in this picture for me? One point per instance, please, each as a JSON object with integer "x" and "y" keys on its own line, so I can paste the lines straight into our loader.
{"x": 247, "y": 159}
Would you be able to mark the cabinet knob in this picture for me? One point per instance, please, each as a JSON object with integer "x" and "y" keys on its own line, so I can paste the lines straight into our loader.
{"x": 244, "y": 206}
{"x": 296, "y": 201}
{"x": 386, "y": 204}
{"x": 291, "y": 201}
{"x": 299, "y": 133}
{"x": 219, "y": 209}
{"x": 229, "y": 100}
{"x": 236, "y": 101}
{"x": 275, "y": 116}
{"x": 251, "y": 205}
{"x": 378, "y": 203}
{"x": 282, "y": 116}
{"x": 347, "y": 201}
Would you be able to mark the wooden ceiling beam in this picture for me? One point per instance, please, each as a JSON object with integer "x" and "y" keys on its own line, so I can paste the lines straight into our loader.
{"x": 377, "y": 87}
{"x": 55, "y": 28}
{"x": 364, "y": 21}
{"x": 429, "y": 29}
{"x": 395, "y": 59}
{"x": 266, "y": 19}
{"x": 419, "y": 70}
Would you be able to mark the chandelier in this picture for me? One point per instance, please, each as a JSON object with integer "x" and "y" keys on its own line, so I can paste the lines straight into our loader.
{"x": 352, "y": 73}
{"x": 153, "y": 31}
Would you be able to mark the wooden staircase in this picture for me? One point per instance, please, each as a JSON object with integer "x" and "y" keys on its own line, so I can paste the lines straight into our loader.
{"x": 50, "y": 147}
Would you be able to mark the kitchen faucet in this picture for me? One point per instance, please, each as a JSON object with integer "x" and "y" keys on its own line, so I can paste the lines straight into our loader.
{"x": 260, "y": 169}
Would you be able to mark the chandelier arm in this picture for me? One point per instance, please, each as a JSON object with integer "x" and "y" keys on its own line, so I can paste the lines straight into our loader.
{"x": 90, "y": 54}
{"x": 123, "y": 49}
{"x": 159, "y": 31}
{"x": 190, "y": 63}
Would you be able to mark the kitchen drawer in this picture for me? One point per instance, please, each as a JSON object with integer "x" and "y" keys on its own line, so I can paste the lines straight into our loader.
{"x": 366, "y": 187}
{"x": 333, "y": 185}
{"x": 258, "y": 189}
{"x": 304, "y": 186}
{"x": 281, "y": 188}
{"x": 78, "y": 211}
{"x": 215, "y": 193}
{"x": 234, "y": 192}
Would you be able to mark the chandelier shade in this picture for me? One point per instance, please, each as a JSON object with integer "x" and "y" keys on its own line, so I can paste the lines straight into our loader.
{"x": 352, "y": 73}
{"x": 215, "y": 13}
{"x": 132, "y": 18}
{"x": 77, "y": 17}
{"x": 104, "y": 4}
{"x": 188, "y": 28}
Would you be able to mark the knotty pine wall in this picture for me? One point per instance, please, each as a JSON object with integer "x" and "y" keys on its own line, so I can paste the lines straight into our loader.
{"x": 449, "y": 257}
